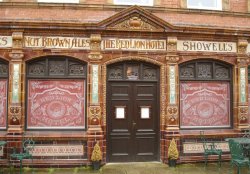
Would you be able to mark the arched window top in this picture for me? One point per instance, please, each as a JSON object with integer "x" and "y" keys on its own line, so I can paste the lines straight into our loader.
{"x": 3, "y": 69}
{"x": 205, "y": 70}
{"x": 56, "y": 67}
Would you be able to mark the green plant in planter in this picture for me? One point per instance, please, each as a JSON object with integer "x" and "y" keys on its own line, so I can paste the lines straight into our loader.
{"x": 96, "y": 156}
{"x": 173, "y": 153}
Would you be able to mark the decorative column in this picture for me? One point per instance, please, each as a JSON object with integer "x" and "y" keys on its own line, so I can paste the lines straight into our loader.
{"x": 16, "y": 114}
{"x": 172, "y": 121}
{"x": 94, "y": 109}
{"x": 242, "y": 83}
{"x": 172, "y": 109}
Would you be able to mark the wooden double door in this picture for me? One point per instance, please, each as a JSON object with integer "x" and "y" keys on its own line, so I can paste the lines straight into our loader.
{"x": 132, "y": 121}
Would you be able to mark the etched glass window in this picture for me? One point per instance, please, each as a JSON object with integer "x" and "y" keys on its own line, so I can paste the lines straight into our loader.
{"x": 133, "y": 72}
{"x": 56, "y": 92}
{"x": 205, "y": 94}
{"x": 205, "y": 4}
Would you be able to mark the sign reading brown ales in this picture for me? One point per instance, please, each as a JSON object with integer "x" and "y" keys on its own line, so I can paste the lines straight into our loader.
{"x": 204, "y": 104}
{"x": 56, "y": 42}
{"x": 3, "y": 103}
{"x": 134, "y": 44}
{"x": 56, "y": 104}
{"x": 206, "y": 46}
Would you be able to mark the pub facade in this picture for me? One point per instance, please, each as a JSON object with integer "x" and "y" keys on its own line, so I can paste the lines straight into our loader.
{"x": 131, "y": 82}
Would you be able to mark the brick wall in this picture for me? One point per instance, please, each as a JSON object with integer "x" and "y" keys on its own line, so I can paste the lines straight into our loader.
{"x": 228, "y": 5}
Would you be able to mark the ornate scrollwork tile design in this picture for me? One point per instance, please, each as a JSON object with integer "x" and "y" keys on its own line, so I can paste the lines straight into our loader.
{"x": 15, "y": 114}
{"x": 172, "y": 44}
{"x": 172, "y": 112}
{"x": 243, "y": 113}
{"x": 242, "y": 61}
{"x": 95, "y": 42}
{"x": 242, "y": 46}
{"x": 17, "y": 40}
{"x": 172, "y": 58}
{"x": 94, "y": 115}
{"x": 135, "y": 23}
{"x": 16, "y": 54}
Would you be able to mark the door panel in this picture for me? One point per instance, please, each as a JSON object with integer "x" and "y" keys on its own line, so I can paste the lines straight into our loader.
{"x": 134, "y": 137}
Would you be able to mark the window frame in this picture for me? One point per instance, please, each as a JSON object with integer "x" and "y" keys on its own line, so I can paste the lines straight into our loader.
{"x": 59, "y": 1}
{"x": 46, "y": 76}
{"x": 124, "y": 2}
{"x": 196, "y": 78}
{"x": 218, "y": 7}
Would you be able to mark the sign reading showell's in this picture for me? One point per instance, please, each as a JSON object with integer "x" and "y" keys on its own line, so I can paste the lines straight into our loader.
{"x": 204, "y": 104}
{"x": 3, "y": 103}
{"x": 56, "y": 104}
{"x": 224, "y": 47}
{"x": 134, "y": 44}
{"x": 56, "y": 42}
{"x": 5, "y": 41}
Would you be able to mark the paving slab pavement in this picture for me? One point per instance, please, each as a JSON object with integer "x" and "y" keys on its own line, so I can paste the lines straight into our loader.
{"x": 137, "y": 168}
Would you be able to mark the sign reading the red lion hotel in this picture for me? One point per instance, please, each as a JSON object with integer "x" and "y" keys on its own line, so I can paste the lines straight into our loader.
{"x": 134, "y": 44}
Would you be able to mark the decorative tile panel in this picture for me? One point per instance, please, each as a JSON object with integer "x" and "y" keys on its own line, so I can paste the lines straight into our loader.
{"x": 95, "y": 81}
{"x": 56, "y": 104}
{"x": 204, "y": 104}
{"x": 58, "y": 150}
{"x": 3, "y": 102}
{"x": 172, "y": 85}
{"x": 198, "y": 147}
{"x": 15, "y": 83}
{"x": 243, "y": 85}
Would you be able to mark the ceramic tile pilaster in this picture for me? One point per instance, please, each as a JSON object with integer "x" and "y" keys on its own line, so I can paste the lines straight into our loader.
{"x": 172, "y": 110}
{"x": 16, "y": 103}
{"x": 242, "y": 84}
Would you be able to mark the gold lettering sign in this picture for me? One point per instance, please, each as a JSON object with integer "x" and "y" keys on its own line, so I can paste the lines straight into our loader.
{"x": 5, "y": 41}
{"x": 56, "y": 42}
{"x": 225, "y": 47}
{"x": 134, "y": 44}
